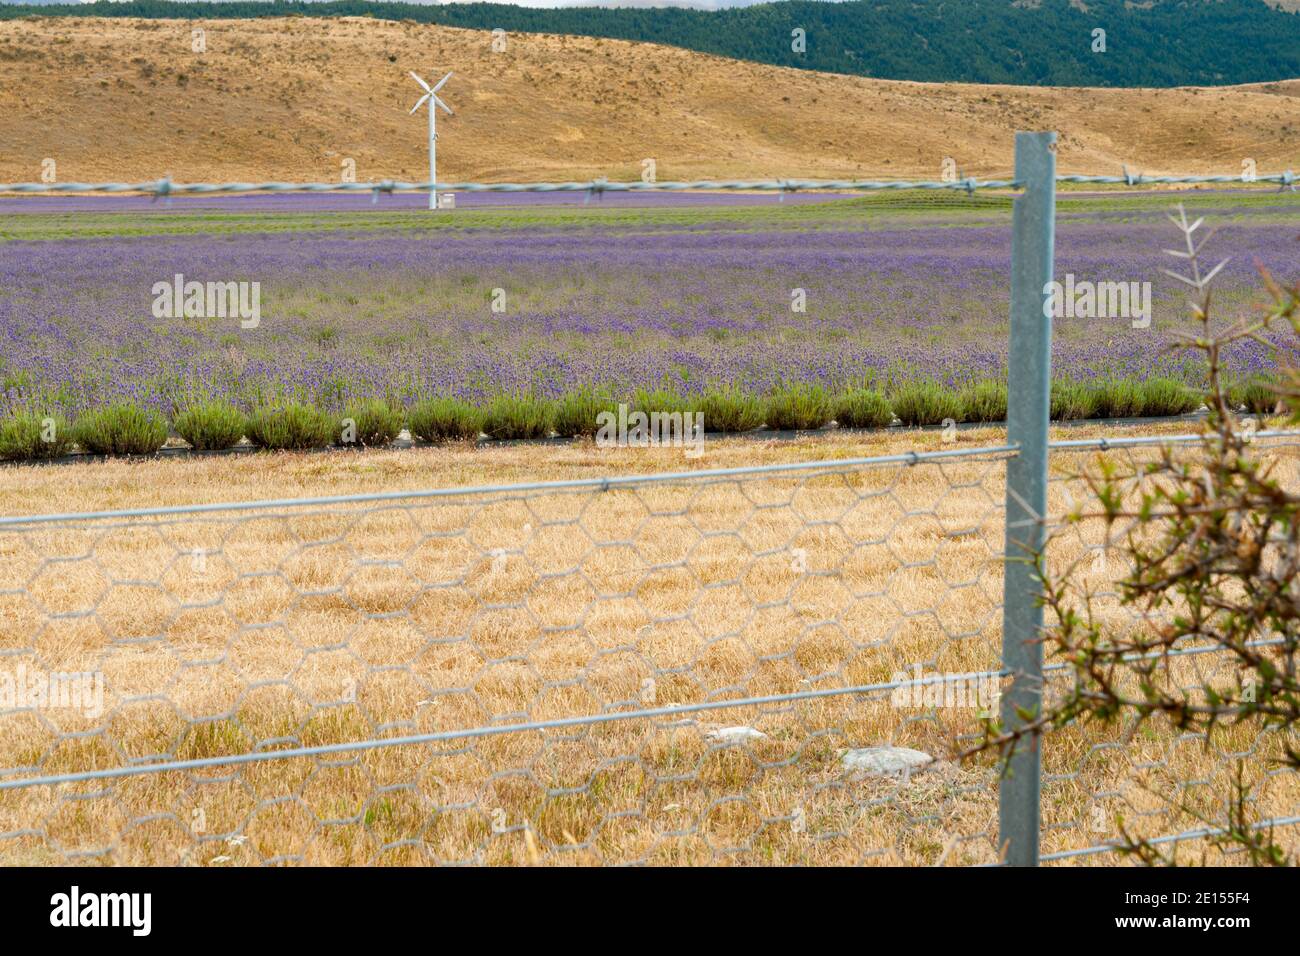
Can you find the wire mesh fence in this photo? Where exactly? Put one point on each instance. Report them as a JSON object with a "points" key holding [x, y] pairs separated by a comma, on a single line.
{"points": [[763, 665], [683, 668], [1150, 780]]}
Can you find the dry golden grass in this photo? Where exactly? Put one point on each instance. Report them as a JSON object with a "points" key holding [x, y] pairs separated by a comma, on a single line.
{"points": [[271, 628], [293, 98]]}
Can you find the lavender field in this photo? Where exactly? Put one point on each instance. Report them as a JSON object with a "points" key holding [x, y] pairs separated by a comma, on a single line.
{"points": [[400, 304]]}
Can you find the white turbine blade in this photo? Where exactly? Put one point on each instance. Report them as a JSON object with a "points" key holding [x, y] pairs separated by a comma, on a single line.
{"points": [[442, 104], [441, 82], [423, 85], [420, 102]]}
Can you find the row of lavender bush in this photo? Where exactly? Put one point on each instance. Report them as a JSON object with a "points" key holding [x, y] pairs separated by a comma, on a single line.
{"points": [[129, 429]]}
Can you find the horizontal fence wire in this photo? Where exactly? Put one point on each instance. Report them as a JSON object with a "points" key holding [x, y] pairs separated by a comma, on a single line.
{"points": [[1103, 443], [165, 187], [1175, 652], [1286, 179], [528, 659], [1198, 834], [576, 484], [583, 720], [162, 188]]}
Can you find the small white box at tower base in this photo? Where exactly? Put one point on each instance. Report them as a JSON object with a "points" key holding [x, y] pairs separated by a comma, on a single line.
{"points": [[446, 200]]}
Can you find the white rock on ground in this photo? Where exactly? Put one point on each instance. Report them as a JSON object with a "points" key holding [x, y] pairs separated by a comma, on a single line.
{"points": [[885, 761], [731, 735]]}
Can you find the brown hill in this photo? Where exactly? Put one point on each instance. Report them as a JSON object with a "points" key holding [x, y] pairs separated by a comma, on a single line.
{"points": [[294, 98]]}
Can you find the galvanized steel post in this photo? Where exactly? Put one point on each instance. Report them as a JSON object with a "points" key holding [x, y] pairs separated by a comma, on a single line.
{"points": [[1029, 377]]}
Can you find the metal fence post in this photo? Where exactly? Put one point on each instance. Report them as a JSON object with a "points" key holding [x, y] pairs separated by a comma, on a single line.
{"points": [[1028, 410]]}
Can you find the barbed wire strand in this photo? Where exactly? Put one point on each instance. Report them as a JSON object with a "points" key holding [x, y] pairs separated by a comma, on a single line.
{"points": [[164, 187]]}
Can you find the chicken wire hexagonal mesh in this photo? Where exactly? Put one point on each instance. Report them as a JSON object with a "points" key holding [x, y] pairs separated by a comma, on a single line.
{"points": [[665, 669]]}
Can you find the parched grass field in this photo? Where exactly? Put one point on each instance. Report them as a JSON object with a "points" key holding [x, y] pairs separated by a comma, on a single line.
{"points": [[279, 627]]}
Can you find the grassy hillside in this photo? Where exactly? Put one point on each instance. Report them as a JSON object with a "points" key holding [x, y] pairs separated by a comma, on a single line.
{"points": [[1159, 43], [294, 98]]}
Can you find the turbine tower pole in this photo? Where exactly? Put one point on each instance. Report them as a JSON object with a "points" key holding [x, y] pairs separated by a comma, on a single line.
{"points": [[433, 156]]}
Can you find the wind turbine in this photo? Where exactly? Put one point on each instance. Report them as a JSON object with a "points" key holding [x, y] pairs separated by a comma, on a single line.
{"points": [[431, 96]]}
